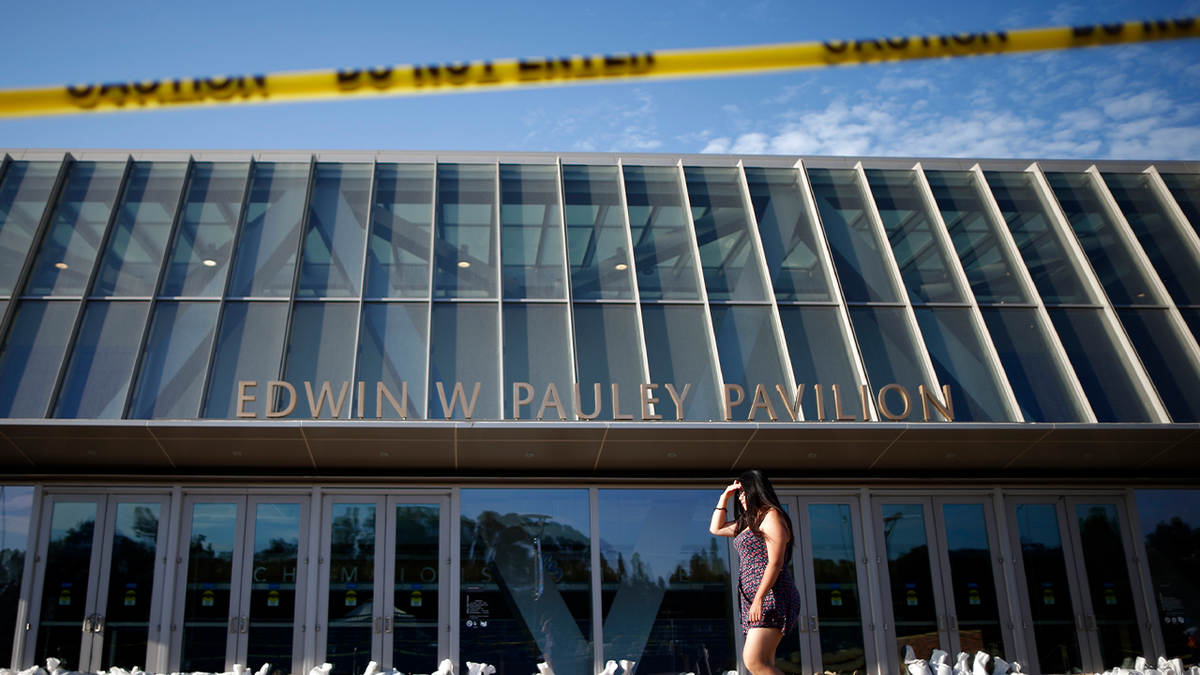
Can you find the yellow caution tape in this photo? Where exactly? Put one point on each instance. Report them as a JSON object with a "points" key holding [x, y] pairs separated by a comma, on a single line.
{"points": [[438, 78]]}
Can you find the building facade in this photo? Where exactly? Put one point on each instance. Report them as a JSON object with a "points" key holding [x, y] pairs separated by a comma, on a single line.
{"points": [[296, 408]]}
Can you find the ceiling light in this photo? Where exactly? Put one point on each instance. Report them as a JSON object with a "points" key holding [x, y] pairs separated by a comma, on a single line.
{"points": [[621, 266], [463, 263], [209, 262], [61, 265]]}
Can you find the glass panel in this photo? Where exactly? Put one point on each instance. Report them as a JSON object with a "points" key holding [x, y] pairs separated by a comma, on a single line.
{"points": [[320, 350], [1050, 604], [662, 240], [820, 352], [890, 353], [526, 580], [975, 599], [172, 372], [130, 585], [960, 360], [1055, 273], [466, 231], [391, 350], [266, 250], [536, 351], [911, 578], [789, 236], [676, 350], [68, 253], [204, 240], [23, 196], [976, 237], [15, 506], [1167, 360], [835, 576], [130, 264], [206, 607], [748, 347], [1104, 556], [65, 585], [1171, 254], [858, 253], [665, 582], [1185, 188], [1107, 379], [468, 356], [1104, 244], [250, 347], [351, 587], [608, 350], [1170, 520], [596, 237], [101, 363], [32, 355], [1192, 318], [273, 586], [1040, 383], [417, 588], [337, 224], [401, 231], [923, 261], [732, 270], [531, 245]]}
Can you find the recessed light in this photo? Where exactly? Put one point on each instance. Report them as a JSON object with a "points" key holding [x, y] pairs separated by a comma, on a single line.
{"points": [[91, 452], [209, 262], [237, 453], [383, 454], [811, 455], [671, 454], [529, 454], [951, 455], [620, 266], [463, 263], [61, 265], [1088, 455]]}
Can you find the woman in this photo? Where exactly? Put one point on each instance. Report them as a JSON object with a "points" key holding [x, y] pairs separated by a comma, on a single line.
{"points": [[770, 601]]}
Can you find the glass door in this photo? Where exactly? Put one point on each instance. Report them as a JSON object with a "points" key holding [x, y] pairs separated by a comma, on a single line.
{"points": [[383, 594], [831, 574], [242, 590], [98, 587], [944, 577]]}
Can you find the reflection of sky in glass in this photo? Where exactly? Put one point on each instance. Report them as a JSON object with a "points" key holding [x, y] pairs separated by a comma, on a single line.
{"points": [[625, 514], [15, 504], [216, 523], [831, 532], [126, 513], [69, 515], [965, 526], [568, 508], [904, 528], [276, 521], [1038, 524], [1160, 506]]}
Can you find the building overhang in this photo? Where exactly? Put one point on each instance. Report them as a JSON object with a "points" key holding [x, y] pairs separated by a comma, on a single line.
{"points": [[580, 449]]}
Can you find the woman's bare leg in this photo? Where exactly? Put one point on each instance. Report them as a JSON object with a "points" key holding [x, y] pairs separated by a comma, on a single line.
{"points": [[759, 651]]}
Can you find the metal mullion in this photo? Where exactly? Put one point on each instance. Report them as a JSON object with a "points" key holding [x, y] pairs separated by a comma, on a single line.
{"points": [[595, 578], [454, 579], [943, 234], [362, 288], [1179, 221], [1182, 332], [154, 300], [1008, 559], [835, 286], [237, 236], [287, 322], [877, 626], [1025, 279], [39, 236], [756, 242], [1149, 392], [87, 289], [562, 213], [433, 239], [1142, 561], [499, 296], [876, 222], [699, 271], [637, 292]]}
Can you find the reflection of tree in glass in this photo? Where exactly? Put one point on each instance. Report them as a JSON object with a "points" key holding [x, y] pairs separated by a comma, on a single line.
{"points": [[353, 536], [1173, 549], [482, 537], [705, 566]]}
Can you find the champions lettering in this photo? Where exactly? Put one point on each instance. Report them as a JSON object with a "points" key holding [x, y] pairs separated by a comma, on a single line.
{"points": [[831, 401]]}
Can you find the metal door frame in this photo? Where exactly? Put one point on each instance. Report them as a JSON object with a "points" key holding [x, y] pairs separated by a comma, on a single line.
{"points": [[444, 572]]}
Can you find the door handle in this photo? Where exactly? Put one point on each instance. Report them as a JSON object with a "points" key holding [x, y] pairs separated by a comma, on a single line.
{"points": [[941, 622], [813, 620], [87, 624], [387, 624], [233, 624], [378, 624], [98, 624], [1091, 621], [803, 624], [244, 622], [953, 622], [1079, 622]]}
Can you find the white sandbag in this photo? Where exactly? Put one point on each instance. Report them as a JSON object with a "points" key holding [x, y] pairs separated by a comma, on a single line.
{"points": [[627, 666], [265, 670], [1014, 668], [999, 666], [446, 667], [909, 654], [981, 661], [545, 669], [961, 667], [322, 669], [610, 668]]}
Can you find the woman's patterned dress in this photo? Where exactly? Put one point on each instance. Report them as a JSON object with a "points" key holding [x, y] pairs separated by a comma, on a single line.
{"points": [[781, 606]]}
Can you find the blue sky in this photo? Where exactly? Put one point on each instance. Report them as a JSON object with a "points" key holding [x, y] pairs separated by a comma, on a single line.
{"points": [[1133, 102]]}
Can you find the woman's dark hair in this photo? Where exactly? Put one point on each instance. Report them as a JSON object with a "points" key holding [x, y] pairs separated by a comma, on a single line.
{"points": [[759, 496]]}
